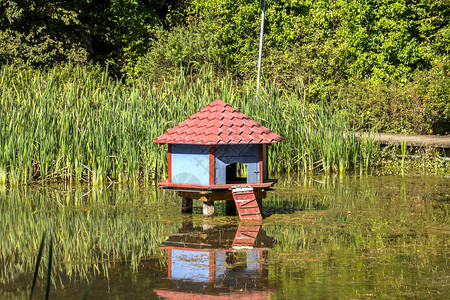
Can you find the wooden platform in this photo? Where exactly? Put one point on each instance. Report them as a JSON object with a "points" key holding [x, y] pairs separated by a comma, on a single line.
{"points": [[208, 189], [220, 239], [218, 195]]}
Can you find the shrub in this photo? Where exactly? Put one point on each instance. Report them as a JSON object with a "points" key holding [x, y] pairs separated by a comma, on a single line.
{"points": [[180, 48], [421, 105]]}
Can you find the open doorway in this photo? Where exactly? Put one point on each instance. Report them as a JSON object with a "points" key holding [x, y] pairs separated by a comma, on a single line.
{"points": [[236, 173]]}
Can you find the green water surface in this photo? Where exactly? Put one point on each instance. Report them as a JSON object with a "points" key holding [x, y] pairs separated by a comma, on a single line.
{"points": [[372, 236]]}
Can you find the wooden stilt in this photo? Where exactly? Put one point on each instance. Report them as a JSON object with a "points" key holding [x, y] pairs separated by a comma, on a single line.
{"points": [[260, 205], [230, 208], [208, 208], [208, 224], [186, 205]]}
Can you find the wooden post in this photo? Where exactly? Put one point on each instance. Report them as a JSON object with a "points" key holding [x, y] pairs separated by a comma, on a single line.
{"points": [[207, 224], [230, 208], [186, 205], [260, 205], [447, 153], [187, 222], [208, 208]]}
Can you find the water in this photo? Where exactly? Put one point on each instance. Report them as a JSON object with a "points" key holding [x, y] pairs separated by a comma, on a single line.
{"points": [[377, 236]]}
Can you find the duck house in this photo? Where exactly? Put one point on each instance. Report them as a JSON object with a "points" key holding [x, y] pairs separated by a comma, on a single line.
{"points": [[217, 154]]}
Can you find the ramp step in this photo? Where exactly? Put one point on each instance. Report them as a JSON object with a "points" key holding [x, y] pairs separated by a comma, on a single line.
{"points": [[250, 211], [251, 217], [247, 203]]}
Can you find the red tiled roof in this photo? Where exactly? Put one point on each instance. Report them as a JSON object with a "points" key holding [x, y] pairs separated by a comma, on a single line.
{"points": [[218, 123]]}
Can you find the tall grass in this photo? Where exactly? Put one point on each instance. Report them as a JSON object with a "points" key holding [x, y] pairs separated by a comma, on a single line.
{"points": [[78, 124]]}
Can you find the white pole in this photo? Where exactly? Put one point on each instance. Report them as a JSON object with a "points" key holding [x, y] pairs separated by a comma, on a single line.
{"points": [[260, 46]]}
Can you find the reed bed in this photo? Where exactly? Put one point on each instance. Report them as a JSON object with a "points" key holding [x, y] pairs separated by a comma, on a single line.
{"points": [[79, 125]]}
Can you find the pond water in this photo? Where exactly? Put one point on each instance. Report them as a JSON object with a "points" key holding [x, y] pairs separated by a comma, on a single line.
{"points": [[380, 236]]}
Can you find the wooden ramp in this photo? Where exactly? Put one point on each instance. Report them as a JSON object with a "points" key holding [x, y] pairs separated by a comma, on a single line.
{"points": [[246, 203], [245, 237]]}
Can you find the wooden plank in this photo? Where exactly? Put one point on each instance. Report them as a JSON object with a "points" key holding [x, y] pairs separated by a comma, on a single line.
{"points": [[410, 139], [261, 169], [244, 236], [169, 262], [211, 165], [249, 228], [245, 196], [175, 186], [251, 217], [169, 161], [212, 273], [249, 211], [252, 234], [248, 204], [243, 241]]}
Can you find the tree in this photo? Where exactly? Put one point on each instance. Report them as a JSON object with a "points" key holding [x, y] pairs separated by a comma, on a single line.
{"points": [[41, 33]]}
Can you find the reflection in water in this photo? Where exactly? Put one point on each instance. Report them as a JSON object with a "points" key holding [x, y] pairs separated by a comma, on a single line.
{"points": [[226, 261], [344, 237]]}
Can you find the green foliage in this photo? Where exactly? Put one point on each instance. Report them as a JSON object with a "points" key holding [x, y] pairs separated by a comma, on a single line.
{"points": [[41, 33], [179, 48], [421, 105], [344, 39], [122, 29], [235, 25], [390, 39]]}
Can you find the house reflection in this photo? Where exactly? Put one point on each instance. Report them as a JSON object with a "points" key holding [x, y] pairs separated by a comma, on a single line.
{"points": [[220, 263]]}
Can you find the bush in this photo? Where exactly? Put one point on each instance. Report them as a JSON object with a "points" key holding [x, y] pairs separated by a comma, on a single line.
{"points": [[420, 106], [179, 48]]}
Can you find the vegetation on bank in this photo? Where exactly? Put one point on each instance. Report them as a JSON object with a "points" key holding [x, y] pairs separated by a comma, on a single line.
{"points": [[385, 61], [86, 85], [79, 125]]}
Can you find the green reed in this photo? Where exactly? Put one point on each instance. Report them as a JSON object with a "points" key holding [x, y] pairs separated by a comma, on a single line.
{"points": [[77, 124]]}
